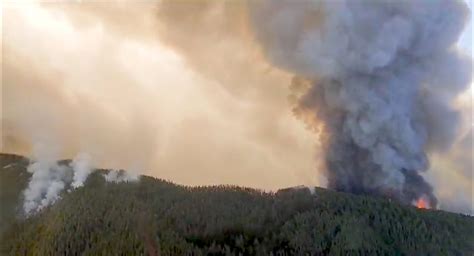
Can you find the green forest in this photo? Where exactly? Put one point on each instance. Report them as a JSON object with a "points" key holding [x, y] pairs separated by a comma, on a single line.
{"points": [[156, 217]]}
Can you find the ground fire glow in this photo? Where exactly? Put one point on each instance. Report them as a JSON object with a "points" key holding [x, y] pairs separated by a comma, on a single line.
{"points": [[421, 203]]}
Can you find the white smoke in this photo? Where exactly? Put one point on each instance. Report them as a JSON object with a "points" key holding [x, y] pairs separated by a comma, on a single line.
{"points": [[117, 176], [46, 183], [49, 179], [81, 166]]}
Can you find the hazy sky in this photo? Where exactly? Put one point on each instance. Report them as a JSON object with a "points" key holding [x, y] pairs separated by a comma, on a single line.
{"points": [[466, 40], [76, 82]]}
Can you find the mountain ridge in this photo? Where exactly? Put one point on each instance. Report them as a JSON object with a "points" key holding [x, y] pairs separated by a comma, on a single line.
{"points": [[157, 217]]}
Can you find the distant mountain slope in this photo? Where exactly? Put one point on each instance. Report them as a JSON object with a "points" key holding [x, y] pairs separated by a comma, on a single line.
{"points": [[13, 179], [155, 217]]}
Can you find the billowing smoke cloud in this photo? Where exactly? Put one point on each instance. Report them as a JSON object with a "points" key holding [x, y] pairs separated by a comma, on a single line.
{"points": [[383, 77]]}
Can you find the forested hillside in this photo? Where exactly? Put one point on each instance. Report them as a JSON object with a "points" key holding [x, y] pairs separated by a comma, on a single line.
{"points": [[155, 217]]}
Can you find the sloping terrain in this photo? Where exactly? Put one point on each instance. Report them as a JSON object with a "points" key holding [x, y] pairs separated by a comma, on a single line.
{"points": [[155, 217]]}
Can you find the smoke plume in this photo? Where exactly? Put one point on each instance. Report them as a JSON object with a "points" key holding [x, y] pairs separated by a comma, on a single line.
{"points": [[383, 77], [50, 178], [120, 176], [81, 166], [44, 187]]}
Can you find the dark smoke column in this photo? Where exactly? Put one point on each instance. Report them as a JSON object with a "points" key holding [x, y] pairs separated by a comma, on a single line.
{"points": [[380, 75]]}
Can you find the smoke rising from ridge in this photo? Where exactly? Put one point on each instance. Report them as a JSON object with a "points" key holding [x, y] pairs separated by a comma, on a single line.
{"points": [[49, 178], [197, 92], [383, 79], [44, 187], [82, 168], [120, 176]]}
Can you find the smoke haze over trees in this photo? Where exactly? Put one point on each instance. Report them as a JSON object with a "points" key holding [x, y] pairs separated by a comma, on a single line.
{"points": [[143, 86]]}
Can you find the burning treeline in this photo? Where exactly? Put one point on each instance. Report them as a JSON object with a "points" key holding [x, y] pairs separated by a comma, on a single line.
{"points": [[375, 80]]}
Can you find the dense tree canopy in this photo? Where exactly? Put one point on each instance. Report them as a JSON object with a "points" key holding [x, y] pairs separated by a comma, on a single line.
{"points": [[155, 217]]}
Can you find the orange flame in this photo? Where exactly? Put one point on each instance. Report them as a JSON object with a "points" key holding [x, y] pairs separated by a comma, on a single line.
{"points": [[422, 203]]}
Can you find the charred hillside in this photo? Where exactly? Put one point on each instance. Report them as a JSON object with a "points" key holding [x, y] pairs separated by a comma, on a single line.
{"points": [[155, 217]]}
